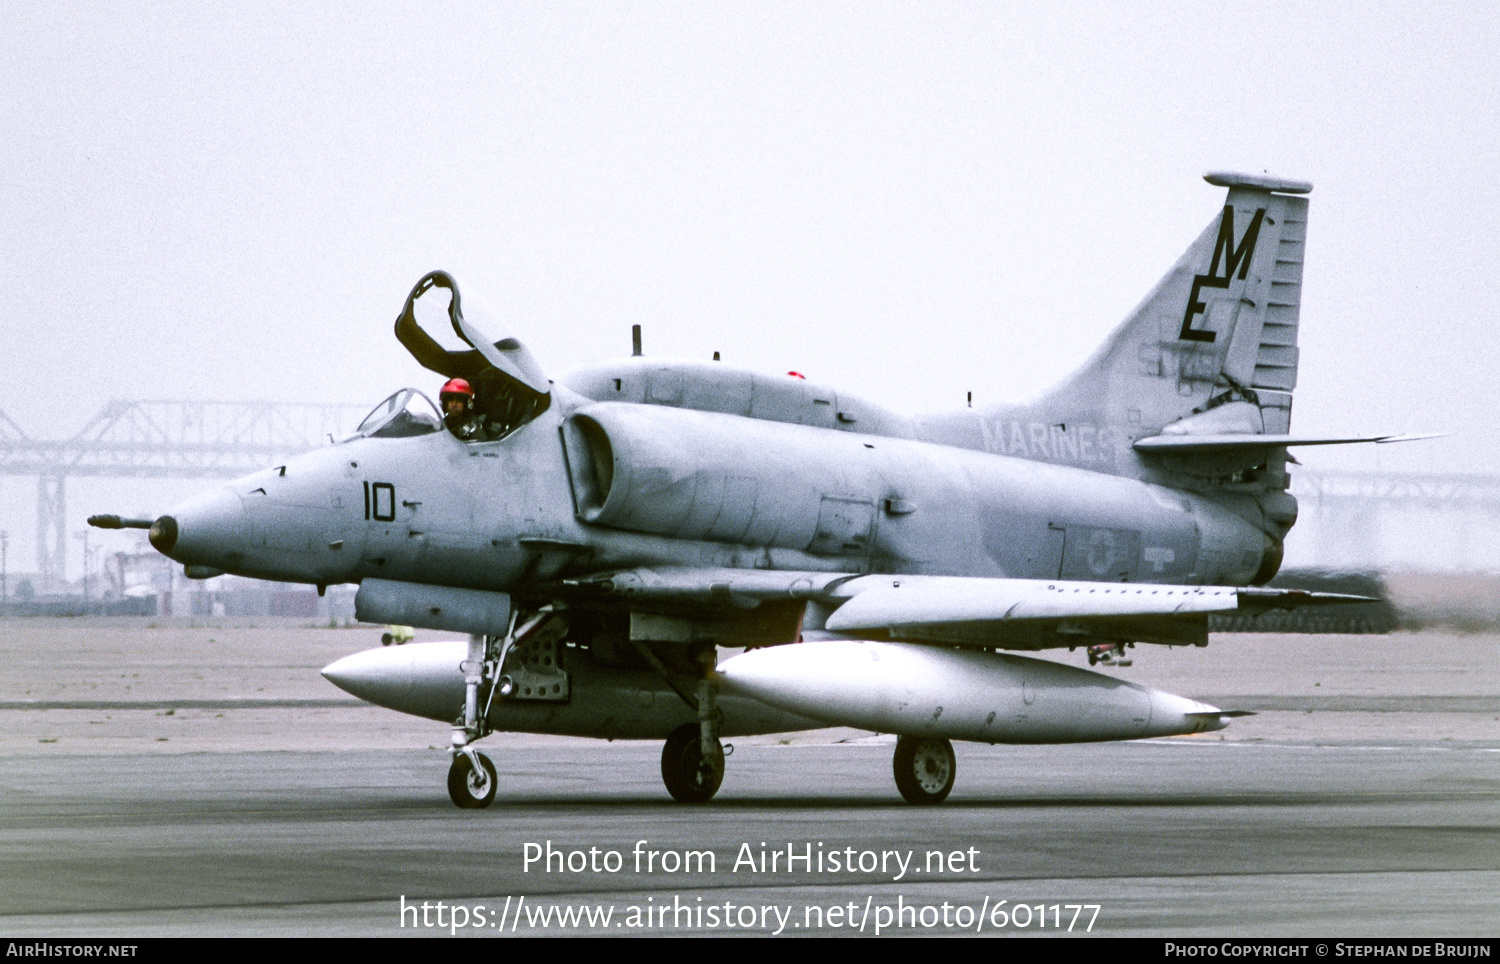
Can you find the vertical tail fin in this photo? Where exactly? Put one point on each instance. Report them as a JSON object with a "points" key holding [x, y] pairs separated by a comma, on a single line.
{"points": [[1220, 326], [1211, 351]]}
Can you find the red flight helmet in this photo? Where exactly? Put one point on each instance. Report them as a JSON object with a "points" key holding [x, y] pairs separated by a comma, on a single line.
{"points": [[457, 387]]}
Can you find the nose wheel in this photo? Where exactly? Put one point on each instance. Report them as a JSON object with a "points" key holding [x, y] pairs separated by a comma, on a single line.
{"points": [[925, 768], [690, 776], [471, 780]]}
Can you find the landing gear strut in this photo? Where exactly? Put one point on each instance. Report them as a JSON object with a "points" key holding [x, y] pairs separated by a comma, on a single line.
{"points": [[471, 776], [522, 664], [925, 768], [692, 762]]}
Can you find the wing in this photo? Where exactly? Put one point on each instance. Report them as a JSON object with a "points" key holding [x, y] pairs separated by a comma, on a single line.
{"points": [[1041, 614], [1002, 613]]}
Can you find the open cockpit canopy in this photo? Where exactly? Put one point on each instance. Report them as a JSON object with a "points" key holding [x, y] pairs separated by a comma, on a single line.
{"points": [[510, 388]]}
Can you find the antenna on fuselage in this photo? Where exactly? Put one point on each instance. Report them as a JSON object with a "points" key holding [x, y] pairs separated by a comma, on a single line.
{"points": [[635, 340]]}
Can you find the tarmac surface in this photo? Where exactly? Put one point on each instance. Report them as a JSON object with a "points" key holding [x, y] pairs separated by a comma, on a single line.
{"points": [[180, 779]]}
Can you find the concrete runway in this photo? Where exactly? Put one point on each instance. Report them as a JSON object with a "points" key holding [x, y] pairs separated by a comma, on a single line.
{"points": [[1363, 801]]}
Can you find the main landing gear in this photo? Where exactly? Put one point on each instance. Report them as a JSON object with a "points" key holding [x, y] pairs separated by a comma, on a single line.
{"points": [[690, 776], [692, 761], [925, 768]]}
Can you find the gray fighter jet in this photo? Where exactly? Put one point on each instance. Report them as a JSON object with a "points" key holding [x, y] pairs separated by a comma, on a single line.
{"points": [[603, 536]]}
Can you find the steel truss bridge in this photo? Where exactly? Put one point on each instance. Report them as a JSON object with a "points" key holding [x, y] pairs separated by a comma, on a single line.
{"points": [[1348, 513], [161, 439], [221, 440]]}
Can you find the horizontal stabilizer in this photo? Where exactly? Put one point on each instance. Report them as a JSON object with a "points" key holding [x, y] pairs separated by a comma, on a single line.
{"points": [[1190, 444], [1258, 182]]}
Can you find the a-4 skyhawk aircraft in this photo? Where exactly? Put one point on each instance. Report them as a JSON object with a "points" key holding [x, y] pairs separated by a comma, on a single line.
{"points": [[601, 537]]}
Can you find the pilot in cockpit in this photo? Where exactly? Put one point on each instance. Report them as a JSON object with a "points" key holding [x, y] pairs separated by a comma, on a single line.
{"points": [[457, 399]]}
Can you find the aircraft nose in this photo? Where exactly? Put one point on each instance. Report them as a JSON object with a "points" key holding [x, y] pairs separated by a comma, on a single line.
{"points": [[204, 530], [163, 535]]}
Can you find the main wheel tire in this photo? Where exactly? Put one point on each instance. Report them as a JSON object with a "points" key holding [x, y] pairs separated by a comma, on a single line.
{"points": [[689, 777], [925, 768], [471, 789]]}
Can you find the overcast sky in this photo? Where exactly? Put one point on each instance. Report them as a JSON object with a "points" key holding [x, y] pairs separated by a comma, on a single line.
{"points": [[909, 201]]}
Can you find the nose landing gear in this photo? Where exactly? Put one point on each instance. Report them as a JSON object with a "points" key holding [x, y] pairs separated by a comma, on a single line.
{"points": [[471, 780]]}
